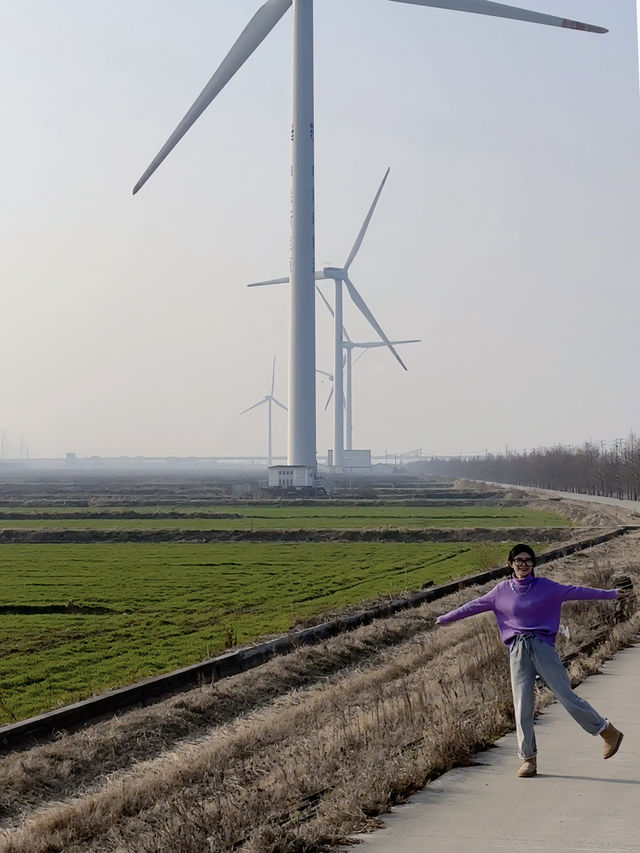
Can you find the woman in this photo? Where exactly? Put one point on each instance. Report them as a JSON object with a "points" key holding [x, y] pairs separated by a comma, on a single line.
{"points": [[527, 609]]}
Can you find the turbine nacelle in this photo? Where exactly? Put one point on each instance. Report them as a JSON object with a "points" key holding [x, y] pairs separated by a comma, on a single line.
{"points": [[336, 273]]}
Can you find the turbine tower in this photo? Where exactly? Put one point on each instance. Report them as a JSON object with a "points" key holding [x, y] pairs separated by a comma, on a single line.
{"points": [[340, 276], [302, 418], [349, 346], [269, 399]]}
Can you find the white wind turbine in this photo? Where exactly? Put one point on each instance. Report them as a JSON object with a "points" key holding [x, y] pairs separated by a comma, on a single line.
{"points": [[340, 276], [348, 347], [330, 377], [269, 399], [302, 425]]}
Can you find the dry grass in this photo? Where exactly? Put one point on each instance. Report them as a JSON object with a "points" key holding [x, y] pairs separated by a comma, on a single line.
{"points": [[302, 753], [324, 736], [75, 761]]}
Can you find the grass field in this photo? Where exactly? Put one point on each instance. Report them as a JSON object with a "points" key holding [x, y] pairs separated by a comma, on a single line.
{"points": [[296, 517], [145, 609], [137, 610]]}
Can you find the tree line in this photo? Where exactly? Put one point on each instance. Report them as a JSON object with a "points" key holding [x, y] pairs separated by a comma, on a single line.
{"points": [[591, 469]]}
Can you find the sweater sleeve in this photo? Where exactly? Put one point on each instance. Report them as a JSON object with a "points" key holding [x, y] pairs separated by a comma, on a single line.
{"points": [[586, 593], [477, 605]]}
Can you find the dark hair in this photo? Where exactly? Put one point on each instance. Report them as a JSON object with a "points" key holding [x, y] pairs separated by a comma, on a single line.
{"points": [[519, 549]]}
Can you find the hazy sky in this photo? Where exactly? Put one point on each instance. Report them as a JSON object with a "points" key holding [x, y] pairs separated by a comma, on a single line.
{"points": [[506, 237]]}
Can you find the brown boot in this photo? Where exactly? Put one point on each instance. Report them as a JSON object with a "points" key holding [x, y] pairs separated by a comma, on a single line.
{"points": [[529, 767], [612, 739]]}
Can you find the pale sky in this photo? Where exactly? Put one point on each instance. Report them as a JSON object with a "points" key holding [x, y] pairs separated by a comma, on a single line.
{"points": [[506, 237]]}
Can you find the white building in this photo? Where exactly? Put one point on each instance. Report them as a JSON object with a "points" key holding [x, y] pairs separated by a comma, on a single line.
{"points": [[291, 477]]}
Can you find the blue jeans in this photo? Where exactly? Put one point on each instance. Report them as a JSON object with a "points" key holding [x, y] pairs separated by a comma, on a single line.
{"points": [[530, 657]]}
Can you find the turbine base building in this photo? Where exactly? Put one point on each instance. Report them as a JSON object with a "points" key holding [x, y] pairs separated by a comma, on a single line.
{"points": [[292, 477]]}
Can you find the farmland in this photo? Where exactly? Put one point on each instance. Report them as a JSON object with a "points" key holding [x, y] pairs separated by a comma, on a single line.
{"points": [[79, 619], [263, 517]]}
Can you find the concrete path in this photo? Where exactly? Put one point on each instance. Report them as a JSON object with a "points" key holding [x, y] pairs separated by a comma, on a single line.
{"points": [[578, 802], [570, 496], [576, 496]]}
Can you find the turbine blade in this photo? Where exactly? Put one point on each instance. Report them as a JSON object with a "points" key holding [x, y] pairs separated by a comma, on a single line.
{"points": [[273, 375], [285, 280], [360, 303], [278, 403], [325, 373], [326, 405], [255, 406], [270, 281], [326, 301], [365, 224], [330, 309], [253, 34], [499, 10], [372, 344]]}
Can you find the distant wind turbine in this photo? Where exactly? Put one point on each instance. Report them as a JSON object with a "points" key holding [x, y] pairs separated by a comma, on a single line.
{"points": [[330, 377], [340, 276], [302, 414], [348, 346], [269, 399]]}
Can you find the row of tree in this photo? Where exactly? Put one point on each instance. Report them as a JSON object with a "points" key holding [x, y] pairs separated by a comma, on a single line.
{"points": [[592, 469]]}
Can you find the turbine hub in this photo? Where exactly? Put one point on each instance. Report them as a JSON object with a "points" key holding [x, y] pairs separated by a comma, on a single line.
{"points": [[335, 272]]}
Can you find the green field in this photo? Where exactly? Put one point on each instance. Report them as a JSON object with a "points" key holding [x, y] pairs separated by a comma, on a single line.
{"points": [[296, 517], [158, 607], [77, 619]]}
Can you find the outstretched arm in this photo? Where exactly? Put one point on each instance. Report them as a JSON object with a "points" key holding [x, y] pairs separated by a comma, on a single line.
{"points": [[587, 593], [477, 605]]}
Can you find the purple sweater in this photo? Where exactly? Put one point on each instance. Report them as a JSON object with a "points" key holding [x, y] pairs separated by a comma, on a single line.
{"points": [[530, 605]]}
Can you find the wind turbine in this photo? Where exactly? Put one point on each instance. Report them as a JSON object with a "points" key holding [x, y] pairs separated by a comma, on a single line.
{"points": [[348, 346], [302, 425], [269, 399], [340, 276], [331, 378]]}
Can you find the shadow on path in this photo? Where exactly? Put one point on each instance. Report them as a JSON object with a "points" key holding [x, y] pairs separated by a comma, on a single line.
{"points": [[587, 778]]}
